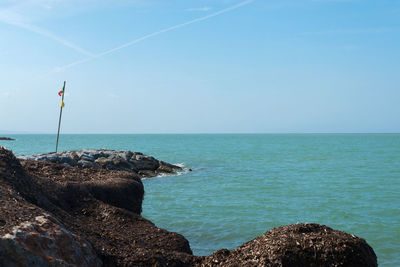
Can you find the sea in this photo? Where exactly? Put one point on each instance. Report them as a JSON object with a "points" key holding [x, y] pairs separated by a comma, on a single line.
{"points": [[242, 185]]}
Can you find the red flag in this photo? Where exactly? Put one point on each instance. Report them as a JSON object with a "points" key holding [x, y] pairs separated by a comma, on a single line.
{"points": [[60, 93]]}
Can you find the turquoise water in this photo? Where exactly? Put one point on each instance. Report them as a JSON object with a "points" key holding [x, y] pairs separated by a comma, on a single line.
{"points": [[244, 185]]}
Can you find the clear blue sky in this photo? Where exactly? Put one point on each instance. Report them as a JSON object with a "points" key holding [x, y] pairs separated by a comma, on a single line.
{"points": [[232, 66]]}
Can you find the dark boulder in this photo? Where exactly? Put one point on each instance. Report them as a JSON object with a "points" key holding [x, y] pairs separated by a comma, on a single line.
{"points": [[45, 242], [145, 163], [103, 206], [305, 244], [165, 167], [29, 235], [147, 174], [69, 187], [7, 138]]}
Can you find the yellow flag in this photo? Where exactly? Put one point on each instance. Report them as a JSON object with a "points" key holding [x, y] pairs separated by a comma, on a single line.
{"points": [[62, 104]]}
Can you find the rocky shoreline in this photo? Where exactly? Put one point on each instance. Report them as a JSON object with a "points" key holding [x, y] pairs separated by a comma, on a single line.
{"points": [[135, 162], [52, 214], [7, 138]]}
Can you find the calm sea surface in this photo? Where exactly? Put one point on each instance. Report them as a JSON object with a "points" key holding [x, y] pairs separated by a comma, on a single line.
{"points": [[243, 185]]}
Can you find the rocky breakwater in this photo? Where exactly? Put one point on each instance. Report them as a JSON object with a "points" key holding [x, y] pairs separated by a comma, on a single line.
{"points": [[56, 215], [135, 162], [7, 138]]}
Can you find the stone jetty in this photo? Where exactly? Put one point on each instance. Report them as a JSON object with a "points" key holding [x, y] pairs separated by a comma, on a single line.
{"points": [[136, 162], [7, 138]]}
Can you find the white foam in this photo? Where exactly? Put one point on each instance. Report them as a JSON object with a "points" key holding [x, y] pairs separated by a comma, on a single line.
{"points": [[181, 165], [184, 171]]}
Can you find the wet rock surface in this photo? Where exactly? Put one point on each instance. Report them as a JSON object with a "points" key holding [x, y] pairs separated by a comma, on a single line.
{"points": [[136, 162], [52, 214]]}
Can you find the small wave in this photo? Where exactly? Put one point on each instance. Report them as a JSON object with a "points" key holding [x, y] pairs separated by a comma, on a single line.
{"points": [[163, 175], [181, 165], [183, 171], [187, 169]]}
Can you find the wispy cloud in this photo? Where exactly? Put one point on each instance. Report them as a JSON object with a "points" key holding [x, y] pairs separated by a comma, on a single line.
{"points": [[45, 33], [141, 39], [12, 17], [204, 9], [348, 31]]}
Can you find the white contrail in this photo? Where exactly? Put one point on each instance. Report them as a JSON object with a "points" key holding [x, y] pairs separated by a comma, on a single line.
{"points": [[58, 69], [50, 35], [10, 17]]}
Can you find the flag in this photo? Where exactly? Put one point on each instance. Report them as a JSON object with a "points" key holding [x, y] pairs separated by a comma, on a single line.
{"points": [[60, 93]]}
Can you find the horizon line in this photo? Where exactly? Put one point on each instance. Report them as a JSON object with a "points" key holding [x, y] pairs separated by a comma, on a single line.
{"points": [[198, 133]]}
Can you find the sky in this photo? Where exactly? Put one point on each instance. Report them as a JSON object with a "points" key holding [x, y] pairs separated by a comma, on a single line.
{"points": [[200, 66]]}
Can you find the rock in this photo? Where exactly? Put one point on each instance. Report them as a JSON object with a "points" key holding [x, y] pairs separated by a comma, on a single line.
{"points": [[121, 164], [52, 158], [147, 173], [28, 235], [115, 164], [126, 155], [97, 206], [104, 162], [125, 191], [99, 154], [45, 242], [7, 138], [65, 159], [104, 206], [303, 244], [109, 159], [70, 187], [88, 157], [84, 164], [74, 156], [145, 163], [138, 156], [165, 167]]}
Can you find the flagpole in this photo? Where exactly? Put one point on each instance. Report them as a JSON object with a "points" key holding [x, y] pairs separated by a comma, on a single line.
{"points": [[59, 120]]}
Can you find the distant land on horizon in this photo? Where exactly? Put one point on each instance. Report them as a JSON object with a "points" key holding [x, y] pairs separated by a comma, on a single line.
{"points": [[6, 132]]}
